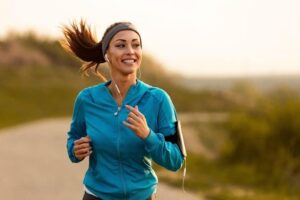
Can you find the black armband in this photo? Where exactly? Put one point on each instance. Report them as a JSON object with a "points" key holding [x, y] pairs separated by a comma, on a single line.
{"points": [[177, 138]]}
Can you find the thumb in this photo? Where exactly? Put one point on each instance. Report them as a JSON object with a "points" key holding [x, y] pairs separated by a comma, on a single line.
{"points": [[88, 137]]}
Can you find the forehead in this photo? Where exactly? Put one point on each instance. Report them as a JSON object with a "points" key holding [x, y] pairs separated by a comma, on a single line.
{"points": [[127, 35]]}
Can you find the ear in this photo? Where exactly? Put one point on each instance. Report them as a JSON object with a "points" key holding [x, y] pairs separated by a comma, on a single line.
{"points": [[106, 58]]}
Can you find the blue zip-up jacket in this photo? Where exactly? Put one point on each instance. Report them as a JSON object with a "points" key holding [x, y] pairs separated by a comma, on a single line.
{"points": [[120, 165]]}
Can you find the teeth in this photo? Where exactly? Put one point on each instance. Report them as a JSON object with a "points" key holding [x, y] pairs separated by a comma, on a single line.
{"points": [[128, 61]]}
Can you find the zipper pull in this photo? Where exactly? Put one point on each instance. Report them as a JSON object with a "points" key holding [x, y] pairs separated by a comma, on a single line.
{"points": [[117, 112]]}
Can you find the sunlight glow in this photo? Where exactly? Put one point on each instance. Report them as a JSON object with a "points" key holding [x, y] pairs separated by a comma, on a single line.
{"points": [[192, 37]]}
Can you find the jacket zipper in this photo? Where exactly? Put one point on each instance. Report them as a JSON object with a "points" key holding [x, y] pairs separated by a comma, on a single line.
{"points": [[116, 114], [118, 149]]}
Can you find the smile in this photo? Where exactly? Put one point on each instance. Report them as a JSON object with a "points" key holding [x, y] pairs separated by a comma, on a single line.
{"points": [[129, 61]]}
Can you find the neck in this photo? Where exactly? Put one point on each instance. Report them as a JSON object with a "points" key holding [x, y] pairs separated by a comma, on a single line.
{"points": [[121, 83]]}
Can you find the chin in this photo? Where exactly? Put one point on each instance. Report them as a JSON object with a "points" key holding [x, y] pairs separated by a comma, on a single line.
{"points": [[129, 69], [126, 73]]}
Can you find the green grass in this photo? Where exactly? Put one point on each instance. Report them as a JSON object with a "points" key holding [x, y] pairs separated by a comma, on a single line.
{"points": [[34, 92]]}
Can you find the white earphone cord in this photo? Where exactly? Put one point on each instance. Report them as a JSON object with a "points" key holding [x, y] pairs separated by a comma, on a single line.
{"points": [[116, 86], [183, 175]]}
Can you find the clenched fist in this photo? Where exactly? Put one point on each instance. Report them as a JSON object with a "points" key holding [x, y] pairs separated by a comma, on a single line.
{"points": [[82, 148]]}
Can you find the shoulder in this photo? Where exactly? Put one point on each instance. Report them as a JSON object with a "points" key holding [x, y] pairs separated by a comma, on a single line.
{"points": [[159, 93], [85, 93]]}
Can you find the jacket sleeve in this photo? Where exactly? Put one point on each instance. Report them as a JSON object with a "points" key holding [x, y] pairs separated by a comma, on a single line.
{"points": [[77, 127], [162, 152]]}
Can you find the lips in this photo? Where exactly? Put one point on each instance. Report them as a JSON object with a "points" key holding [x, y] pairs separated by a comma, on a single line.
{"points": [[129, 61]]}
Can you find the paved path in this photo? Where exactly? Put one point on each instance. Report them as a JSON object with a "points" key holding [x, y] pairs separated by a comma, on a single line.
{"points": [[34, 165]]}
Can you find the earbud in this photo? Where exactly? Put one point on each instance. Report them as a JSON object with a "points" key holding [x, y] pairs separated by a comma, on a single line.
{"points": [[106, 58]]}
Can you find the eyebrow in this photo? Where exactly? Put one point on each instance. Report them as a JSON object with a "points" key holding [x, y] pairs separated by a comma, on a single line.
{"points": [[133, 40]]}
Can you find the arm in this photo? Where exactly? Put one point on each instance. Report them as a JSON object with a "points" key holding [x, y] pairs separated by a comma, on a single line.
{"points": [[162, 152], [77, 128]]}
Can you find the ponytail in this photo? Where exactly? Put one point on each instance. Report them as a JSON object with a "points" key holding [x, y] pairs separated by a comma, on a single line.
{"points": [[81, 42]]}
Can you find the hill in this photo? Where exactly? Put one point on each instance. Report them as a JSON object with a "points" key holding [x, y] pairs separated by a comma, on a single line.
{"points": [[264, 83]]}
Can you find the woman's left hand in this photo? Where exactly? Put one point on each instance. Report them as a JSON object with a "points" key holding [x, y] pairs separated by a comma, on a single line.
{"points": [[137, 122]]}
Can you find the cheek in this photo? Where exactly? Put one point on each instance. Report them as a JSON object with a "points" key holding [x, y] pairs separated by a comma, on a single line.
{"points": [[140, 61], [116, 58], [140, 54]]}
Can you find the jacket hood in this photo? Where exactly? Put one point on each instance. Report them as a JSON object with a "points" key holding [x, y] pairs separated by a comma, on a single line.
{"points": [[101, 95]]}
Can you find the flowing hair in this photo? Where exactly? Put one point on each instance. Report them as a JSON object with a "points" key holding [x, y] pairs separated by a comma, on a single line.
{"points": [[80, 41]]}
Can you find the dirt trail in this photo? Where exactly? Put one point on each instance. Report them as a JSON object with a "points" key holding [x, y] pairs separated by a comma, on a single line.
{"points": [[34, 165]]}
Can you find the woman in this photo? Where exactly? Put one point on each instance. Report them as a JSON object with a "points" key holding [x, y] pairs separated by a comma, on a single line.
{"points": [[120, 124]]}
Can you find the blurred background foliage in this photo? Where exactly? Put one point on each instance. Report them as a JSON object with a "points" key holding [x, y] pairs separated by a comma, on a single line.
{"points": [[255, 147]]}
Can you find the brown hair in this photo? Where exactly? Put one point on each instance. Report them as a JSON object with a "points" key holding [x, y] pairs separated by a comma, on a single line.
{"points": [[81, 42]]}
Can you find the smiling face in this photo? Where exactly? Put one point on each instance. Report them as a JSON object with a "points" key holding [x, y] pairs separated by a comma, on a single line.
{"points": [[125, 53]]}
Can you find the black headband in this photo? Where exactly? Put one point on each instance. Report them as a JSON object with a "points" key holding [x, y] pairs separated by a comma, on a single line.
{"points": [[111, 33]]}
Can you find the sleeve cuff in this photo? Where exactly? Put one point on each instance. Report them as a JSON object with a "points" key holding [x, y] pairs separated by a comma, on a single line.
{"points": [[151, 141]]}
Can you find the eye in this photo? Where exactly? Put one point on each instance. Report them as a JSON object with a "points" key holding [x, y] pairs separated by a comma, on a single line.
{"points": [[136, 45], [120, 45]]}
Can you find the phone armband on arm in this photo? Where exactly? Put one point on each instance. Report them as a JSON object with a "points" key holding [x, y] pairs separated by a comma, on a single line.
{"points": [[177, 138]]}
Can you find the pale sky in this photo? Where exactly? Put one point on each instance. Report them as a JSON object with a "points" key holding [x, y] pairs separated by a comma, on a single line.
{"points": [[190, 37]]}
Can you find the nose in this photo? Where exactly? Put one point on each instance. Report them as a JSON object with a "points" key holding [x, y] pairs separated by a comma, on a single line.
{"points": [[130, 50]]}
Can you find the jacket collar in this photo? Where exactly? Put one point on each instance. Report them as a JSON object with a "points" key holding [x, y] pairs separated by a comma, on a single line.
{"points": [[101, 94]]}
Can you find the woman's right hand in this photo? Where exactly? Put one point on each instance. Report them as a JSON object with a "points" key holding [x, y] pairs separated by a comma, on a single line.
{"points": [[82, 148]]}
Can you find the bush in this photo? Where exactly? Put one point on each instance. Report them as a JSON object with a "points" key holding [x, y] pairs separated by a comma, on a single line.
{"points": [[267, 136]]}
